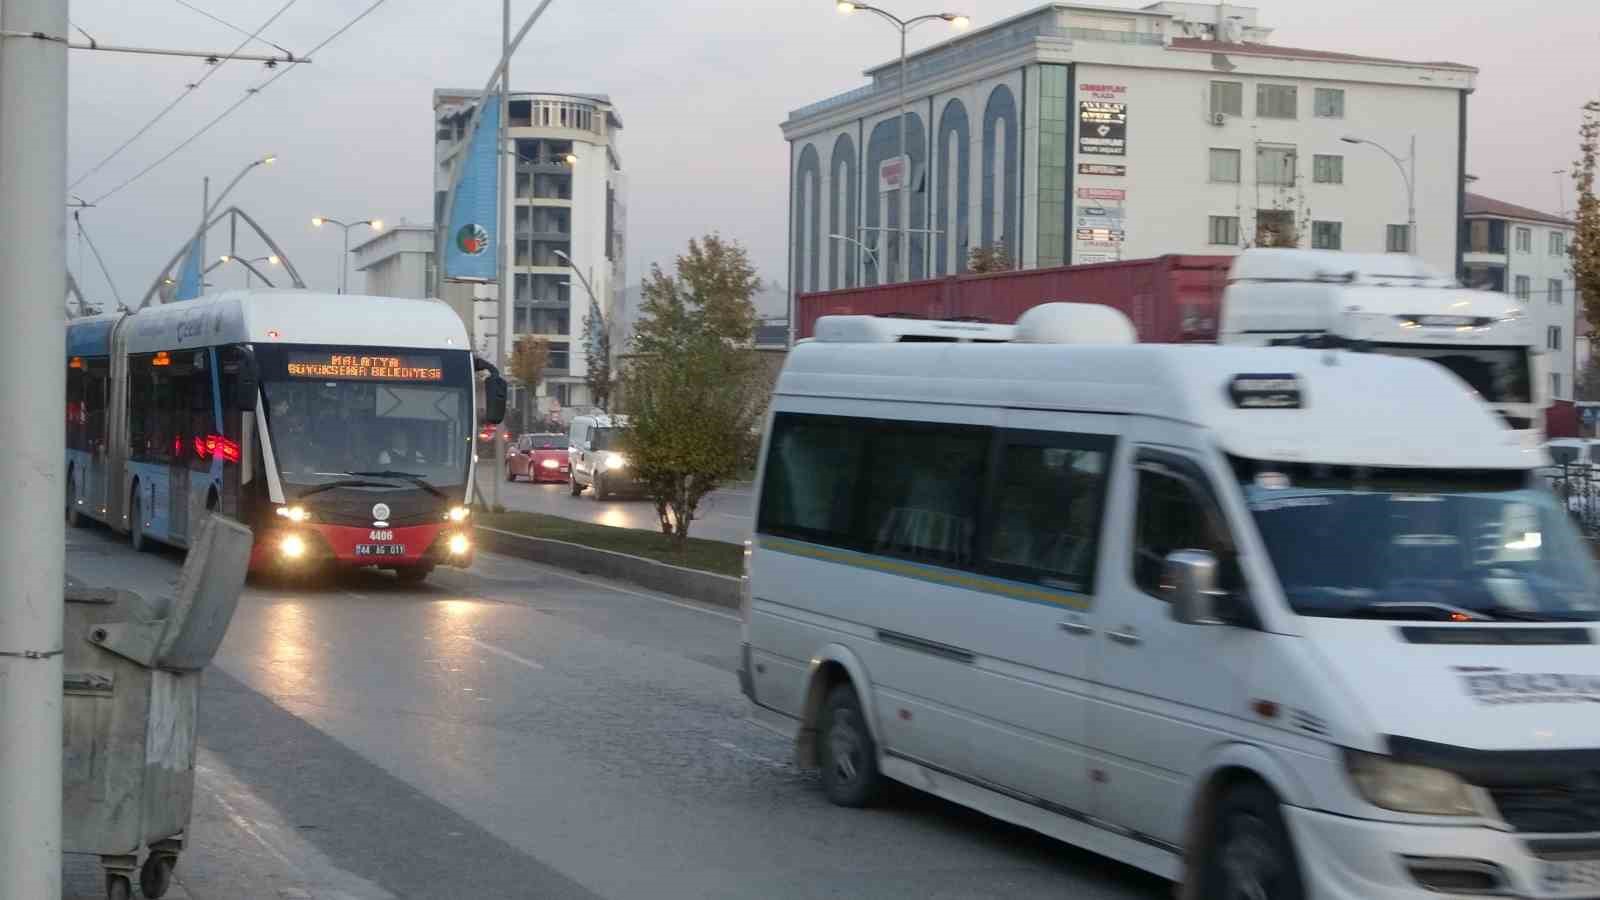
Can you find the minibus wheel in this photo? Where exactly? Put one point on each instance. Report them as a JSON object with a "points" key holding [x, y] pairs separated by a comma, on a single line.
{"points": [[849, 756], [1251, 857]]}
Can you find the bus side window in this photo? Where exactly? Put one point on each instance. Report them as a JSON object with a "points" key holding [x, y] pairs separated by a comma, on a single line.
{"points": [[202, 418], [96, 387], [77, 409], [143, 431]]}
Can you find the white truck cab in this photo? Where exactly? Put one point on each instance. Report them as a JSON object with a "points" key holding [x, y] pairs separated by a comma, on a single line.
{"points": [[1270, 622], [1396, 305]]}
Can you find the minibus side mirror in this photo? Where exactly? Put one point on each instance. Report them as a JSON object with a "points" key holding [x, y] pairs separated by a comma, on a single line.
{"points": [[494, 400], [1190, 582]]}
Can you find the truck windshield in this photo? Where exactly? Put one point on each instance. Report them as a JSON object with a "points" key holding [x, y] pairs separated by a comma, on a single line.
{"points": [[1498, 374], [1345, 542]]}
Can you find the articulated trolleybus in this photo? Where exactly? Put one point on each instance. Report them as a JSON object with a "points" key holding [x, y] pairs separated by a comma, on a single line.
{"points": [[338, 427]]}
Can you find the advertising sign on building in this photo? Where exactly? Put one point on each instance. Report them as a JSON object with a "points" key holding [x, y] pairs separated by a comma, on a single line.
{"points": [[891, 174], [1100, 217], [1094, 193], [1100, 235], [1087, 258], [1101, 169], [1102, 128]]}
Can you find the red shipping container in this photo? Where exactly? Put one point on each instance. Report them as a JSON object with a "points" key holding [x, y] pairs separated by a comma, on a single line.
{"points": [[1170, 299]]}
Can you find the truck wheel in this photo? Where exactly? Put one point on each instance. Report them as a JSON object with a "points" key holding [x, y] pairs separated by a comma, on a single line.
{"points": [[849, 756], [155, 876], [599, 486], [1252, 857]]}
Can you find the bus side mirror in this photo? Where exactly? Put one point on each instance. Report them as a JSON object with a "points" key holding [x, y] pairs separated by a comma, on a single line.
{"points": [[494, 400], [246, 389]]}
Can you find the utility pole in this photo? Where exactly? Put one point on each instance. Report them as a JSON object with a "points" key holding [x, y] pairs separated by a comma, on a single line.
{"points": [[205, 216], [501, 354], [33, 392]]}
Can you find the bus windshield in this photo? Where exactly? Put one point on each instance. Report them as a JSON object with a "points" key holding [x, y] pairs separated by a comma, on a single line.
{"points": [[1498, 374], [368, 412]]}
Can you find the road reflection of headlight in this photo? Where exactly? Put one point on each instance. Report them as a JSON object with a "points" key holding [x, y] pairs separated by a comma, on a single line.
{"points": [[293, 546], [459, 513], [615, 461], [459, 545], [549, 464]]}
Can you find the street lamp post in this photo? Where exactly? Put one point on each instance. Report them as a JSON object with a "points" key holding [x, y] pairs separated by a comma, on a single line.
{"points": [[344, 260], [866, 251], [847, 7], [1410, 179], [249, 264], [594, 302]]}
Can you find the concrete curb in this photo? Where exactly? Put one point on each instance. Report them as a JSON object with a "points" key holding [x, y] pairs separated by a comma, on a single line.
{"points": [[707, 587]]}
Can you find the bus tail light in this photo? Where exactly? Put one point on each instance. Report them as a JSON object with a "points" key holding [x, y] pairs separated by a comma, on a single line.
{"points": [[216, 445]]}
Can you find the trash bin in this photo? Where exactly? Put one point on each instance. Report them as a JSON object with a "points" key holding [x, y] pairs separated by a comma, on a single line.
{"points": [[132, 682]]}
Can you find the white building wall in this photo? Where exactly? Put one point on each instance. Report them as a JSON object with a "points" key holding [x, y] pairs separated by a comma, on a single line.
{"points": [[1547, 310]]}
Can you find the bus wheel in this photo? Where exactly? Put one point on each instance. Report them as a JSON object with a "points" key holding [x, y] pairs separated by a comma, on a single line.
{"points": [[141, 544], [413, 574], [74, 518]]}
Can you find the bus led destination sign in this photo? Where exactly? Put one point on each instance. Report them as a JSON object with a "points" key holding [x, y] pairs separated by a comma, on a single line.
{"points": [[364, 367]]}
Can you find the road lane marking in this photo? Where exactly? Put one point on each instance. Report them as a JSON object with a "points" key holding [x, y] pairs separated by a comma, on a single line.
{"points": [[504, 653]]}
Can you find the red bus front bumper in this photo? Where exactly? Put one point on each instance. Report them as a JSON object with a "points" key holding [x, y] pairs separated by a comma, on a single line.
{"points": [[315, 544]]}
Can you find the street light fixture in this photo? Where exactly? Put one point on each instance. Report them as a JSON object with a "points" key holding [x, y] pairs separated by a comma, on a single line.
{"points": [[958, 22], [249, 264], [1410, 179], [344, 261]]}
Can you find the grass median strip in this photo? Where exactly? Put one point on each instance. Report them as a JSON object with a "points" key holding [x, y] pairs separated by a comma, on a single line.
{"points": [[708, 556]]}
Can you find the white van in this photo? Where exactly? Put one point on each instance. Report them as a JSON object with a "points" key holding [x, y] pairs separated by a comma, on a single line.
{"points": [[595, 459], [1271, 622]]}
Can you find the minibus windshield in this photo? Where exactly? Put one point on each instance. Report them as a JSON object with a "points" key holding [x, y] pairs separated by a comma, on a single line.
{"points": [[1410, 543]]}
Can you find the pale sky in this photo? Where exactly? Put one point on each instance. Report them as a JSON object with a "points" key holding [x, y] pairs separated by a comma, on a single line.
{"points": [[701, 86]]}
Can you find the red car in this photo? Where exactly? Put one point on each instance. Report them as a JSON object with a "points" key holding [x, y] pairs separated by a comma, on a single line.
{"points": [[538, 457]]}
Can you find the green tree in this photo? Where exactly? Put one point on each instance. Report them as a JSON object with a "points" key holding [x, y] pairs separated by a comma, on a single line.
{"points": [[1585, 246], [990, 258], [530, 356], [693, 389], [597, 349]]}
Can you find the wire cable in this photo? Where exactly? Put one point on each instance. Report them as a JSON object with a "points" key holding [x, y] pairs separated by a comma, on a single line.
{"points": [[249, 93], [226, 24], [188, 89]]}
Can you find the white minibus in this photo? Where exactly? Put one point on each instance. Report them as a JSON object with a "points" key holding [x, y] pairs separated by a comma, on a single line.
{"points": [[1270, 622]]}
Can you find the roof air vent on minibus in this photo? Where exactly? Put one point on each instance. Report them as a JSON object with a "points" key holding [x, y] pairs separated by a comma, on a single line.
{"points": [[894, 330], [1074, 323]]}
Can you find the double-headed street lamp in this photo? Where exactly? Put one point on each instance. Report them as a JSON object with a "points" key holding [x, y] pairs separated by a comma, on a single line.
{"points": [[1410, 179], [846, 7], [249, 264], [344, 261]]}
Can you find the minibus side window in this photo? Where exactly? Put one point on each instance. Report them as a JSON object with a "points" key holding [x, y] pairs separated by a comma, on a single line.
{"points": [[1173, 515], [921, 492], [1045, 514]]}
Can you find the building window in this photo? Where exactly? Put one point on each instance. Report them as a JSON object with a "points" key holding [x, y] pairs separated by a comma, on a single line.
{"points": [[1277, 101], [1555, 385], [1224, 165], [1556, 288], [1328, 103], [1327, 235], [1399, 239], [1327, 169], [1524, 287], [1558, 243], [1275, 165], [1225, 231], [1275, 228], [1227, 97], [1524, 240], [1486, 236], [1552, 337]]}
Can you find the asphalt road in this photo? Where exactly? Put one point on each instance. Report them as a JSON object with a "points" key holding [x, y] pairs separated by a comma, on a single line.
{"points": [[723, 516], [519, 732]]}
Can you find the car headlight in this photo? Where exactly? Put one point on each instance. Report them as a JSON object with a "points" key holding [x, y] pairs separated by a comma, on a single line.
{"points": [[549, 464], [294, 513], [458, 513], [459, 545], [293, 546], [615, 461], [1403, 787]]}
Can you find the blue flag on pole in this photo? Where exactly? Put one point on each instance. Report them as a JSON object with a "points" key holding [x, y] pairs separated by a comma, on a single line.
{"points": [[190, 277], [471, 245]]}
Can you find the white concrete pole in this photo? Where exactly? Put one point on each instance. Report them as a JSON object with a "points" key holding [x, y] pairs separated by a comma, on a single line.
{"points": [[33, 393], [501, 207]]}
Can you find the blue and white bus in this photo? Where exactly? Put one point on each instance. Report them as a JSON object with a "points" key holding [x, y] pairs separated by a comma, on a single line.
{"points": [[340, 428]]}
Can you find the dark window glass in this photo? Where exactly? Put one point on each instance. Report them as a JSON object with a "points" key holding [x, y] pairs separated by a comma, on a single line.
{"points": [[813, 466], [1172, 516], [921, 492], [1046, 512]]}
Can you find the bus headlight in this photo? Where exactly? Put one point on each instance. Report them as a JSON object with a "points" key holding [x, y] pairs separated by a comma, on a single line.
{"points": [[615, 461], [293, 546], [458, 513], [294, 513], [459, 545]]}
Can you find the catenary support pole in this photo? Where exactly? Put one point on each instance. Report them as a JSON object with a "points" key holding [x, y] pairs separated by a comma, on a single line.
{"points": [[503, 293], [33, 181]]}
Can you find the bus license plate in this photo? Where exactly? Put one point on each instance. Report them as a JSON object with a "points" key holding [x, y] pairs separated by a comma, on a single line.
{"points": [[380, 549], [1569, 878]]}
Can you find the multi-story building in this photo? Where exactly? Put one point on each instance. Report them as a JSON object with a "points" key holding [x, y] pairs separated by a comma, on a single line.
{"points": [[398, 262], [1523, 252], [1076, 133], [564, 200]]}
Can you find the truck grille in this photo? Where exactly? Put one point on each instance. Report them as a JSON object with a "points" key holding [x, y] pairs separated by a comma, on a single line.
{"points": [[1553, 807]]}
